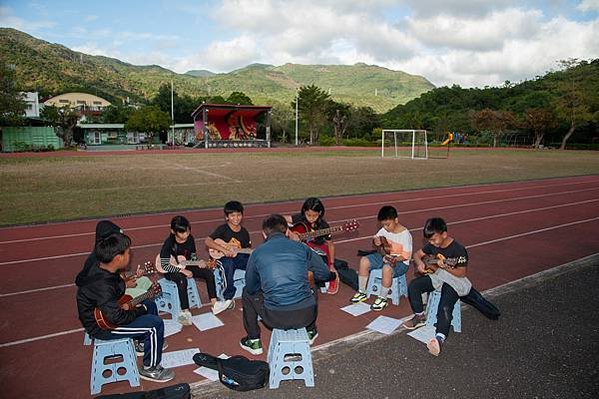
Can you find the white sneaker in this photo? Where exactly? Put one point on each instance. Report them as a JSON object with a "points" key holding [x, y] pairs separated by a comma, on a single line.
{"points": [[221, 306], [185, 318]]}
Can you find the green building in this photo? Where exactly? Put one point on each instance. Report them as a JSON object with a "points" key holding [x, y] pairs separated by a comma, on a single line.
{"points": [[30, 138]]}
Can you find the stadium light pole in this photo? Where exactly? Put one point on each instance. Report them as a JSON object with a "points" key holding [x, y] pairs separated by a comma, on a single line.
{"points": [[297, 118]]}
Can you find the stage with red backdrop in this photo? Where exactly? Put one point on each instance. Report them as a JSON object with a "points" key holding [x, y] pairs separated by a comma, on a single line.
{"points": [[227, 125]]}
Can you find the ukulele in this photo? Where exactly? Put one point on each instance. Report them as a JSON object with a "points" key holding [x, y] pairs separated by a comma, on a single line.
{"points": [[233, 245], [385, 250], [175, 265], [126, 302], [148, 269], [432, 260], [307, 235]]}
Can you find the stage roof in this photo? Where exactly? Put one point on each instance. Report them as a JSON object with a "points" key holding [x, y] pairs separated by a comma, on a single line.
{"points": [[225, 109]]}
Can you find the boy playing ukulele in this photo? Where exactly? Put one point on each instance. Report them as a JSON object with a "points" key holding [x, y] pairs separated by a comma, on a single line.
{"points": [[228, 239], [395, 249], [445, 273], [101, 290]]}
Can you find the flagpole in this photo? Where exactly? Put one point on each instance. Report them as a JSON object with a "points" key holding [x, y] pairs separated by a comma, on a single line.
{"points": [[173, 110]]}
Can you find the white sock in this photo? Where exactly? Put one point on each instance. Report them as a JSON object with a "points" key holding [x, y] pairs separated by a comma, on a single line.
{"points": [[385, 291], [362, 282]]}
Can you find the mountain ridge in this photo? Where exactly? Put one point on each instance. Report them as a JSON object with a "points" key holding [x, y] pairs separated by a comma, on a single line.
{"points": [[52, 69]]}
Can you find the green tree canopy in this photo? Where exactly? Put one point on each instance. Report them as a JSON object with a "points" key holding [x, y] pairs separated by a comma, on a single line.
{"points": [[150, 120], [12, 105]]}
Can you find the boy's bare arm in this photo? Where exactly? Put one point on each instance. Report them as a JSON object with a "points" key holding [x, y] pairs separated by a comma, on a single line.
{"points": [[417, 256]]}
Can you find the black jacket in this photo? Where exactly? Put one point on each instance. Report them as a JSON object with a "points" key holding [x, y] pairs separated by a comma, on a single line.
{"points": [[102, 289]]}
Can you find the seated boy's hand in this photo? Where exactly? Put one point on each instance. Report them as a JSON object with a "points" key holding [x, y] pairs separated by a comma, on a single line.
{"points": [[421, 267], [131, 282], [186, 273]]}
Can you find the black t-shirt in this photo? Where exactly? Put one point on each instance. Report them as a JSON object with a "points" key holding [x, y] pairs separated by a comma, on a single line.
{"points": [[454, 252], [318, 225], [241, 237], [172, 248]]}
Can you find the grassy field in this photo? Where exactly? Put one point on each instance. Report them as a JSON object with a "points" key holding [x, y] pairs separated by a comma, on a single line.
{"points": [[62, 188]]}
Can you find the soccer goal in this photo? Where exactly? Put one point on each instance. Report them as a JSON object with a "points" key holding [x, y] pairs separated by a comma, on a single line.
{"points": [[404, 143]]}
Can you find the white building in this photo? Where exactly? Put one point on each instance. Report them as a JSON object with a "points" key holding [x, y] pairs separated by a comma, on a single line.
{"points": [[33, 104]]}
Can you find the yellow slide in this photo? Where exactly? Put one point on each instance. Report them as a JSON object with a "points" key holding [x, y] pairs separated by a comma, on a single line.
{"points": [[449, 139]]}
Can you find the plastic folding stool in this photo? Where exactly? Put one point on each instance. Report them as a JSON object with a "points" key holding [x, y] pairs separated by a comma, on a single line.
{"points": [[432, 305], [399, 286], [289, 357], [123, 370]]}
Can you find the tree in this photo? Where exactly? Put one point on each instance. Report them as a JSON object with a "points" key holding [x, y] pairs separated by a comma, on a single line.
{"points": [[313, 109], [571, 104], [116, 114], [64, 120], [539, 120], [12, 106], [239, 98], [495, 122], [282, 119], [150, 120]]}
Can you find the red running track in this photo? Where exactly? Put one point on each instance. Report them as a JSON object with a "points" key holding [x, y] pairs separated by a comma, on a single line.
{"points": [[511, 230]]}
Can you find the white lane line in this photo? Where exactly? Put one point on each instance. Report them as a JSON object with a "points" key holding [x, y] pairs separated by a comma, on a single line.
{"points": [[23, 341], [421, 210], [54, 287], [220, 219], [27, 340], [532, 232], [205, 172]]}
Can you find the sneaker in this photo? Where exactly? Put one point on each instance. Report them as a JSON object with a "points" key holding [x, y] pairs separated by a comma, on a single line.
{"points": [[379, 304], [359, 297], [415, 322], [139, 347], [254, 346], [158, 374], [185, 318], [312, 335], [334, 285], [221, 306], [434, 346]]}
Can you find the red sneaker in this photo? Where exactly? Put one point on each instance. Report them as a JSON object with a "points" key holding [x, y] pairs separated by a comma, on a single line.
{"points": [[334, 286]]}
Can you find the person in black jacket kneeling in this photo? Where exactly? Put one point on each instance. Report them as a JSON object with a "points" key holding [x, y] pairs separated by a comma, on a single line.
{"points": [[102, 288]]}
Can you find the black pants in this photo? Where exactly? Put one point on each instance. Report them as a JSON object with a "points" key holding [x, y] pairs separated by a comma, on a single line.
{"points": [[253, 306], [448, 299], [181, 280]]}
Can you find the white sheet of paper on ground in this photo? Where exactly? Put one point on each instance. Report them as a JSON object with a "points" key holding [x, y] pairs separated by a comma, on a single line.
{"points": [[423, 334], [171, 327], [206, 321], [384, 324], [357, 309], [178, 358], [208, 372]]}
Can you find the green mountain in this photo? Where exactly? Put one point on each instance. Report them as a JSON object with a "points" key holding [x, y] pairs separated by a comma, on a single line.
{"points": [[199, 73], [52, 69]]}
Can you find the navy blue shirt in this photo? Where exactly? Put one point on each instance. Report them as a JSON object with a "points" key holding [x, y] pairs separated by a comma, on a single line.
{"points": [[279, 268]]}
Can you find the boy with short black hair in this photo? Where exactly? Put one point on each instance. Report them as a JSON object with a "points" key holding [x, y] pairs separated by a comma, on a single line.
{"points": [[102, 288], [394, 262], [442, 264], [235, 237]]}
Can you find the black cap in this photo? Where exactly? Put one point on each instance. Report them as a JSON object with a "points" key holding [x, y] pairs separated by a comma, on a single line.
{"points": [[105, 228]]}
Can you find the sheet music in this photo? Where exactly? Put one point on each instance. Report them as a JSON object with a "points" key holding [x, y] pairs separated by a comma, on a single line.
{"points": [[171, 327], [208, 372], [423, 334], [178, 358], [384, 324], [357, 309], [206, 321]]}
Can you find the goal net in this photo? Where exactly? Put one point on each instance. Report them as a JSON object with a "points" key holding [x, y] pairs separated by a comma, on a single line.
{"points": [[404, 143]]}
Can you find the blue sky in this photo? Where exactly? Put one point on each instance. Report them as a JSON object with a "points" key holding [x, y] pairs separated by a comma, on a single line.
{"points": [[465, 42]]}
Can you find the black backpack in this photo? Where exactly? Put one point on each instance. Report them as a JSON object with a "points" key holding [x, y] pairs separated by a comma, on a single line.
{"points": [[178, 391], [237, 372]]}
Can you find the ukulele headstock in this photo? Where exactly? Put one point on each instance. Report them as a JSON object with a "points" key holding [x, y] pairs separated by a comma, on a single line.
{"points": [[351, 225]]}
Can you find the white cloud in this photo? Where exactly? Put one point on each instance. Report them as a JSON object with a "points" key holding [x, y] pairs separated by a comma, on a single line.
{"points": [[588, 5], [9, 21], [227, 55]]}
